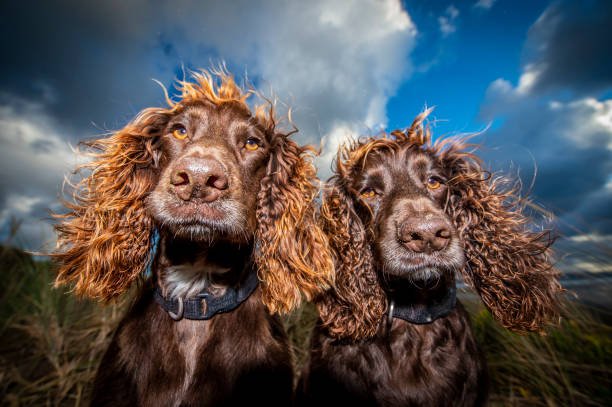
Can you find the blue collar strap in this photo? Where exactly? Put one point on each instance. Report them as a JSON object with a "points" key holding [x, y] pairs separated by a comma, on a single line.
{"points": [[154, 245], [205, 305]]}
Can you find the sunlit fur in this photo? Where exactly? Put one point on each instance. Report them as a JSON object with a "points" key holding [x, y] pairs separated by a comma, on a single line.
{"points": [[507, 262], [104, 239]]}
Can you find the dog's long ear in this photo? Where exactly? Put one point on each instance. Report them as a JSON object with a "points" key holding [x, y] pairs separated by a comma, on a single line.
{"points": [[508, 262], [291, 250], [354, 308], [104, 238]]}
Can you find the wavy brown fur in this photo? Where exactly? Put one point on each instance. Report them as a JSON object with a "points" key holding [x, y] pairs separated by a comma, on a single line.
{"points": [[356, 305], [508, 264], [103, 241], [104, 238], [293, 250]]}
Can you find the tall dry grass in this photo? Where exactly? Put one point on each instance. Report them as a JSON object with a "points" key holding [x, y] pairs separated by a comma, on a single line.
{"points": [[570, 366], [51, 343]]}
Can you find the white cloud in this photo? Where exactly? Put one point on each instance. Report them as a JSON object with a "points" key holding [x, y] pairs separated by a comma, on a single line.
{"points": [[568, 141], [503, 89], [484, 4], [593, 238], [528, 78], [591, 121], [33, 160], [331, 142], [583, 123], [452, 12], [591, 267], [447, 21]]}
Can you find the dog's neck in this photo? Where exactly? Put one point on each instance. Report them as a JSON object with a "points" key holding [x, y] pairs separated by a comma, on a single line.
{"points": [[185, 268], [420, 303]]}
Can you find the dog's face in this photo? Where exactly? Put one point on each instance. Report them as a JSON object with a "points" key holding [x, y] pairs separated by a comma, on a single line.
{"points": [[213, 159], [401, 197]]}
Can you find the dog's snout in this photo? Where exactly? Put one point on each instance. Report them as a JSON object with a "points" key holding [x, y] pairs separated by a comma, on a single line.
{"points": [[423, 235], [202, 178]]}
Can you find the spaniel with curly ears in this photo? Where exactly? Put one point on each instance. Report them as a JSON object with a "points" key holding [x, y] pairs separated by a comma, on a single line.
{"points": [[219, 204], [404, 215]]}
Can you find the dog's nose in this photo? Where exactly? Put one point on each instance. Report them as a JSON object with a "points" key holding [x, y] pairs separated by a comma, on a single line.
{"points": [[424, 235], [202, 178]]}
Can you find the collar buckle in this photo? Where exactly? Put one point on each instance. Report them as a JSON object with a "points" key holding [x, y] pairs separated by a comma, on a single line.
{"points": [[390, 317], [179, 313]]}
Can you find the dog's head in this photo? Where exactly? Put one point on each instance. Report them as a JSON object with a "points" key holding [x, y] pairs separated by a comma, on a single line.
{"points": [[212, 161], [401, 207], [207, 168]]}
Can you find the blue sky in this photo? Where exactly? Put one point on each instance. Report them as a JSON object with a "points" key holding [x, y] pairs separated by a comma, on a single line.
{"points": [[454, 70], [537, 75]]}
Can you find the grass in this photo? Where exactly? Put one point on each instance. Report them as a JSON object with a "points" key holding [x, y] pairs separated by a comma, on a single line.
{"points": [[51, 343], [570, 366]]}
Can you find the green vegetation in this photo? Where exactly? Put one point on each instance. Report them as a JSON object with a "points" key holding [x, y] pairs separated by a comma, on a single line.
{"points": [[50, 344], [570, 366]]}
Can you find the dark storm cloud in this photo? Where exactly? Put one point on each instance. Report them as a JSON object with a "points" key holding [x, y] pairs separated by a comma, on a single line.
{"points": [[594, 214], [570, 46], [85, 62], [569, 145], [558, 117]]}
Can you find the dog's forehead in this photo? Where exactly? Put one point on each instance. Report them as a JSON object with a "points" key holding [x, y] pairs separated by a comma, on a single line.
{"points": [[207, 114], [400, 161], [210, 119]]}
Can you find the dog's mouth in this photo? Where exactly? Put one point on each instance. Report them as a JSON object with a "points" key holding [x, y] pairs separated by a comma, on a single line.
{"points": [[422, 275], [199, 212], [397, 261], [420, 268], [197, 220]]}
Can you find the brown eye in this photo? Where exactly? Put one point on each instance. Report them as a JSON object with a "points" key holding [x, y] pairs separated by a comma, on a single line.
{"points": [[180, 133], [251, 144], [433, 183], [368, 193]]}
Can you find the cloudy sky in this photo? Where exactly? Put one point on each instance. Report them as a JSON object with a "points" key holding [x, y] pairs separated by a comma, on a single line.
{"points": [[535, 75]]}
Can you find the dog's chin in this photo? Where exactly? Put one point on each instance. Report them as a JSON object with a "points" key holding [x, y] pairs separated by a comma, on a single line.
{"points": [[424, 275], [209, 233], [420, 268], [217, 221]]}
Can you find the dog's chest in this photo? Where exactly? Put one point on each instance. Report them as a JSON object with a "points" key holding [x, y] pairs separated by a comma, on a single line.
{"points": [[191, 337], [207, 362]]}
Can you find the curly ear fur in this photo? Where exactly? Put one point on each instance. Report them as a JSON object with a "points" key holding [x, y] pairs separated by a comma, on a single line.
{"points": [[507, 263], [292, 252], [104, 239], [353, 309]]}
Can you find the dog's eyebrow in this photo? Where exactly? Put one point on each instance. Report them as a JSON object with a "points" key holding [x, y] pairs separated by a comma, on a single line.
{"points": [[372, 178], [190, 116], [239, 125], [248, 127], [419, 165]]}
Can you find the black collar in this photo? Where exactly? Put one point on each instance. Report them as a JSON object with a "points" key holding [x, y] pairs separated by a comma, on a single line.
{"points": [[423, 312], [205, 305]]}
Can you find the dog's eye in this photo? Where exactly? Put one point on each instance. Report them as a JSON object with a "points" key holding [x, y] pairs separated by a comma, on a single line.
{"points": [[367, 193], [252, 144], [434, 182], [180, 133]]}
